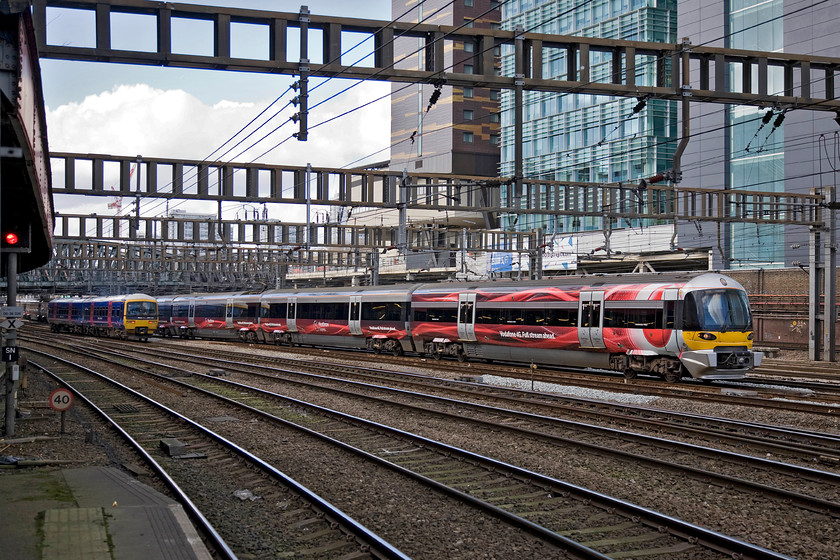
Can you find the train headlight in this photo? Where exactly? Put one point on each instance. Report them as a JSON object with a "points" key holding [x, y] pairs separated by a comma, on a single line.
{"points": [[707, 336], [750, 336]]}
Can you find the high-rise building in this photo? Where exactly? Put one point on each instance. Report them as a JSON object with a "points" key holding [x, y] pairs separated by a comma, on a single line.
{"points": [[730, 148], [588, 138], [459, 133]]}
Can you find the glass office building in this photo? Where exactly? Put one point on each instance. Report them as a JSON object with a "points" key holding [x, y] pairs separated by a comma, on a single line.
{"points": [[729, 148], [756, 158], [588, 138]]}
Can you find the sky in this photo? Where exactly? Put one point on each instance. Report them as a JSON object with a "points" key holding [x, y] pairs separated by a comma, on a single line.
{"points": [[131, 110]]}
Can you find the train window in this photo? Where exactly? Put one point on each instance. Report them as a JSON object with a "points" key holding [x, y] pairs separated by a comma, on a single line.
{"points": [[323, 311], [633, 318], [181, 310], [164, 311], [274, 311], [437, 314], [716, 310], [466, 315], [488, 316], [244, 311], [590, 316], [383, 311], [208, 310], [670, 314], [141, 309], [561, 317], [334, 311], [513, 317], [535, 317]]}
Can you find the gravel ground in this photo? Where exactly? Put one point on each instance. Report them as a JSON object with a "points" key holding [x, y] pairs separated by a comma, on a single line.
{"points": [[798, 534]]}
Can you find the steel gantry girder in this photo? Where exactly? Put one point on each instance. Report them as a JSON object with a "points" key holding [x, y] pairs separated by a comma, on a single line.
{"points": [[380, 189], [809, 81]]}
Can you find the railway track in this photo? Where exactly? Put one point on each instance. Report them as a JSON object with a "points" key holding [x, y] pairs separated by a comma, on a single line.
{"points": [[806, 446], [149, 428], [764, 440], [760, 392], [492, 471]]}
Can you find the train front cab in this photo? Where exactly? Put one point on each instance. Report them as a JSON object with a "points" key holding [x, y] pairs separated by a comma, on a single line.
{"points": [[717, 332], [140, 316]]}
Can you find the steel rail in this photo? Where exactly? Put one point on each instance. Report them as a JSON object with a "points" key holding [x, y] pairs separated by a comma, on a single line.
{"points": [[378, 545]]}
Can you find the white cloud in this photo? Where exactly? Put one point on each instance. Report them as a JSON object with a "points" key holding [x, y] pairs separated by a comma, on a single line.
{"points": [[132, 120], [139, 119]]}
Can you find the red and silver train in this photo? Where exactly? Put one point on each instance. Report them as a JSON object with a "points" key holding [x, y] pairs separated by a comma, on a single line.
{"points": [[671, 325]]}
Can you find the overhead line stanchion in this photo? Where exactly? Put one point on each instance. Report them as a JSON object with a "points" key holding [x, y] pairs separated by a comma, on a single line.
{"points": [[830, 276], [518, 103], [303, 68]]}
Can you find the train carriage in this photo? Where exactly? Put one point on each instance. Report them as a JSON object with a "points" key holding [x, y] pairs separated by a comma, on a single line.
{"points": [[165, 327], [126, 316], [670, 325], [375, 318], [220, 316]]}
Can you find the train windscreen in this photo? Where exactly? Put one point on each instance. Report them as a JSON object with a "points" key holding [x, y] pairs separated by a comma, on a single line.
{"points": [[141, 310], [717, 310]]}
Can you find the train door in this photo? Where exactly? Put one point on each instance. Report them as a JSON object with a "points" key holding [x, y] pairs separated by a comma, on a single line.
{"points": [[291, 315], [229, 314], [355, 319], [191, 315], [466, 316], [591, 320], [669, 299]]}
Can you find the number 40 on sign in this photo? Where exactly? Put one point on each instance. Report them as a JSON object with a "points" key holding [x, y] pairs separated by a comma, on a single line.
{"points": [[61, 399]]}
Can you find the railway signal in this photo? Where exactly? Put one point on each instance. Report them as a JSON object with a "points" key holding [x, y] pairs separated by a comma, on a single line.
{"points": [[15, 239]]}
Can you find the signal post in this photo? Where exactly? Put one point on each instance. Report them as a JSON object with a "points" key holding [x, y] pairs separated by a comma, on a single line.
{"points": [[14, 240]]}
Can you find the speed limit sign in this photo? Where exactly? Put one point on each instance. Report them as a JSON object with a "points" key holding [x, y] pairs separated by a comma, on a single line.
{"points": [[61, 399]]}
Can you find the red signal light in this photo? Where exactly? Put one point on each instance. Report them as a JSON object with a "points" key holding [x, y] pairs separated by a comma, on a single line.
{"points": [[11, 238]]}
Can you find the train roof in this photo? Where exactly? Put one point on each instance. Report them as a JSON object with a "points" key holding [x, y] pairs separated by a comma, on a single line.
{"points": [[687, 279], [682, 279], [124, 297]]}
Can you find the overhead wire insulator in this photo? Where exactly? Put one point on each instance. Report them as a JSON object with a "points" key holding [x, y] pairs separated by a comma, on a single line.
{"points": [[435, 94], [640, 105], [433, 99], [766, 118]]}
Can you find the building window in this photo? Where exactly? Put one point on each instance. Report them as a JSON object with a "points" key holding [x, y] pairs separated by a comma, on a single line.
{"points": [[469, 47], [468, 68], [468, 114], [468, 22], [468, 3], [495, 94], [494, 139], [468, 138], [495, 117], [468, 92]]}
